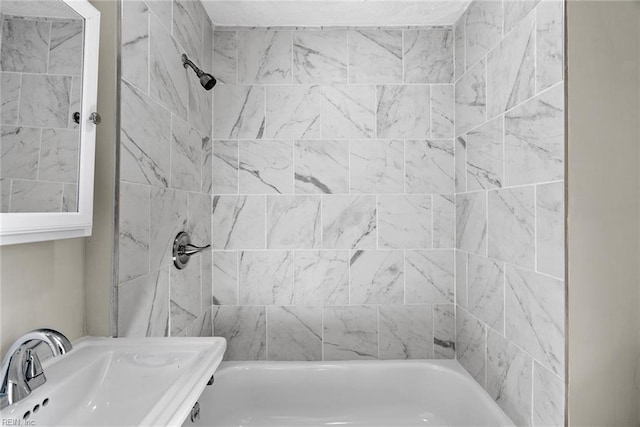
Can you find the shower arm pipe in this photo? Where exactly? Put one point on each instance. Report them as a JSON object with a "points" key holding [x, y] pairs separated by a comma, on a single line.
{"points": [[186, 62]]}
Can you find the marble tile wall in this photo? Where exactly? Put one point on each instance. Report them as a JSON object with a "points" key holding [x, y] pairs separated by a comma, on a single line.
{"points": [[333, 193], [40, 89], [165, 169], [509, 129]]}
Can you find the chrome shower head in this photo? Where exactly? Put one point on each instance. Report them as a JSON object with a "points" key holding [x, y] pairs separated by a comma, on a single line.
{"points": [[206, 80]]}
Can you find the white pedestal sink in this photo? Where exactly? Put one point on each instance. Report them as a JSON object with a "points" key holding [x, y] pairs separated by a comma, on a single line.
{"points": [[121, 381]]}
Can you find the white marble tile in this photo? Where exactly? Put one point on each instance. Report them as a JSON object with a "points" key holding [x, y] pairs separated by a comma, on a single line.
{"points": [[145, 133], [471, 343], [70, 198], [168, 82], [548, 398], [162, 10], [44, 101], [321, 277], [376, 166], [430, 166], [483, 29], [429, 276], [511, 69], [349, 222], [509, 378], [65, 48], [461, 278], [200, 106], [225, 277], [186, 156], [377, 277], [375, 56], [266, 167], [187, 27], [225, 54], [348, 111], [515, 10], [404, 222], [19, 152], [512, 225], [143, 306], [403, 111], [535, 316], [405, 332], [350, 333], [75, 101], [321, 166], [444, 221], [550, 229], [225, 167], [471, 222], [471, 98], [238, 222], [320, 56], [135, 43], [486, 291], [206, 164], [168, 217], [442, 111], [460, 151], [428, 55], [201, 327], [485, 148], [35, 196], [266, 277], [25, 45], [59, 151], [186, 303], [264, 56], [534, 139], [207, 42], [5, 194], [293, 112], [206, 275], [133, 244], [293, 222], [459, 46], [239, 112], [444, 331], [10, 87], [549, 44], [245, 330], [294, 333], [199, 218]]}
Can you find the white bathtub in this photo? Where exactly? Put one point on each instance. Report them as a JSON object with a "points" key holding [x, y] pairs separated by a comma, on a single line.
{"points": [[354, 393]]}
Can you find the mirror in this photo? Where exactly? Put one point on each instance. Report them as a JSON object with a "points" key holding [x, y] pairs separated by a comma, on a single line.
{"points": [[48, 76]]}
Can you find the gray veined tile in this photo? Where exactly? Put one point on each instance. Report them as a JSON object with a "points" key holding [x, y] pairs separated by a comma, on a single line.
{"points": [[36, 196], [430, 166], [206, 164], [143, 306], [70, 198], [471, 342], [350, 333], [348, 111], [511, 69], [428, 55], [135, 43], [266, 167], [186, 156], [10, 87], [550, 228], [266, 278], [471, 222], [168, 218], [25, 45], [460, 152], [444, 331], [549, 44], [44, 101], [19, 152], [320, 56], [471, 98], [224, 277], [185, 304], [199, 218], [486, 291], [5, 194], [459, 46], [461, 278], [349, 222], [376, 166], [442, 106], [264, 56], [483, 29], [377, 277], [444, 221], [293, 112], [206, 276], [201, 327], [225, 52], [294, 333], [75, 101], [66, 47], [133, 242], [321, 166], [515, 10], [485, 148], [293, 222], [403, 111], [534, 139], [406, 331], [188, 18], [535, 316], [239, 222], [509, 378], [429, 276], [162, 10], [548, 397], [146, 139], [225, 167], [245, 330], [375, 56], [59, 151], [207, 42], [512, 225], [321, 277], [404, 222], [239, 112], [200, 107]]}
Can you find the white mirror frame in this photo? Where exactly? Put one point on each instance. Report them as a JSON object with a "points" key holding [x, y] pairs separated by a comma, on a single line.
{"points": [[41, 226]]}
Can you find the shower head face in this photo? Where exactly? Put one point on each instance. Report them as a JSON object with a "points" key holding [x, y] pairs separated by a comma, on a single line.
{"points": [[207, 81]]}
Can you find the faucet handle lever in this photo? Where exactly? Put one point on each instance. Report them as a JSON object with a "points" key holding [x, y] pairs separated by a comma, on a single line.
{"points": [[33, 367]]}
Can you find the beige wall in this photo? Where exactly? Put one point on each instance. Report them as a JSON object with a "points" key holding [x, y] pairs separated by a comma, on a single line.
{"points": [[603, 217]]}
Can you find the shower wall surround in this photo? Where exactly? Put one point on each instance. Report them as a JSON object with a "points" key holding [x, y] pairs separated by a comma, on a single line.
{"points": [[333, 182], [509, 111]]}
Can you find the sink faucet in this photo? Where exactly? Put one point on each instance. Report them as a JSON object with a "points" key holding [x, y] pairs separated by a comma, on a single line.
{"points": [[21, 369]]}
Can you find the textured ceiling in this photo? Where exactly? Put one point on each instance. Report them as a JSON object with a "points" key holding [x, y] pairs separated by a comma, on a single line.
{"points": [[271, 13]]}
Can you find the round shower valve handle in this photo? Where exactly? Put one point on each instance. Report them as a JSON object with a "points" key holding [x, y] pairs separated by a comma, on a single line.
{"points": [[95, 118]]}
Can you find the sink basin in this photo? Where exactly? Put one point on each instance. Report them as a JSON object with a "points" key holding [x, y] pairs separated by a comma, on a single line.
{"points": [[122, 381]]}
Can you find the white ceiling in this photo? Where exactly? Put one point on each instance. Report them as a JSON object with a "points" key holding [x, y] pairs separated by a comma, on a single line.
{"points": [[312, 13]]}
